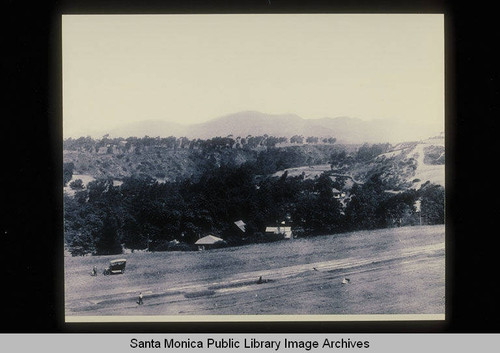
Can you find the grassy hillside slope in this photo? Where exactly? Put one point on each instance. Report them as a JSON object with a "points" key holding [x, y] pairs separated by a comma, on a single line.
{"points": [[391, 271]]}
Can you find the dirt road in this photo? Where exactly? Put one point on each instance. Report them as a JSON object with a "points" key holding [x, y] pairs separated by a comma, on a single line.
{"points": [[427, 172], [395, 271]]}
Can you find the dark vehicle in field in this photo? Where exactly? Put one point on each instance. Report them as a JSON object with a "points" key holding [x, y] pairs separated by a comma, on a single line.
{"points": [[115, 267]]}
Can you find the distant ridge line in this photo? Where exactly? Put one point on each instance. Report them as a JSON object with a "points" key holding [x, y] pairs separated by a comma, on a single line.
{"points": [[345, 129]]}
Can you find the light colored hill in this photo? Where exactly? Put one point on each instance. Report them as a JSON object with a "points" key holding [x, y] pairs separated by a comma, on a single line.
{"points": [[428, 172], [420, 152], [344, 129], [400, 155], [310, 172]]}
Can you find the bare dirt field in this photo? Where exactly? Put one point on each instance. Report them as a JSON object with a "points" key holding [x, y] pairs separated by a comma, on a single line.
{"points": [[391, 271]]}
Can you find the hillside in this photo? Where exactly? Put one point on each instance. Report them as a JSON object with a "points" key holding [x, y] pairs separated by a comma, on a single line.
{"points": [[403, 166], [171, 163], [400, 166], [179, 190]]}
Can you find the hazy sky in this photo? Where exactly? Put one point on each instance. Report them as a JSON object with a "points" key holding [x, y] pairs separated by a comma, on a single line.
{"points": [[192, 68]]}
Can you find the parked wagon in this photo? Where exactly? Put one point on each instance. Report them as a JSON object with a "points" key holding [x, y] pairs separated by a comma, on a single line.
{"points": [[115, 267]]}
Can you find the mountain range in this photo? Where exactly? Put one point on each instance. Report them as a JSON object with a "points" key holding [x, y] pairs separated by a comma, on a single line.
{"points": [[344, 129]]}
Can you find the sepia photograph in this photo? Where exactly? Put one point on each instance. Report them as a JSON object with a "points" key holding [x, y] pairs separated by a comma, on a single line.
{"points": [[251, 167]]}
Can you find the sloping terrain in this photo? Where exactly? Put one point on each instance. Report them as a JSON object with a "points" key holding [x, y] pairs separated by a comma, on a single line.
{"points": [[159, 163], [167, 164], [418, 162], [406, 165], [390, 271], [429, 169]]}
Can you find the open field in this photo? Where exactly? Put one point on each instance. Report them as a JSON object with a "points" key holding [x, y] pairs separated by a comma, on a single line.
{"points": [[391, 271], [310, 172]]}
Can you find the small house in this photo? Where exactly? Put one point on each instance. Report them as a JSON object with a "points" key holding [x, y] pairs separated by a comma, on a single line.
{"points": [[285, 230], [337, 194], [209, 242], [241, 225]]}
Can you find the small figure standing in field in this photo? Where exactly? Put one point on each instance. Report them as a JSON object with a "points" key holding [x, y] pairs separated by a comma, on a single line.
{"points": [[260, 280], [94, 271], [140, 299]]}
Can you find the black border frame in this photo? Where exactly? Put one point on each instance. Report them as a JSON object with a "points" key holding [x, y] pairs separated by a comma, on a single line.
{"points": [[32, 227]]}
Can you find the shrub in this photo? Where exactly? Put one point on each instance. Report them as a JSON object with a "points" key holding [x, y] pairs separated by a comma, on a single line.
{"points": [[67, 172], [76, 184]]}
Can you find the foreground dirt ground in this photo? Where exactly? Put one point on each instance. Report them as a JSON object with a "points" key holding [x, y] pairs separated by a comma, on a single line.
{"points": [[390, 271]]}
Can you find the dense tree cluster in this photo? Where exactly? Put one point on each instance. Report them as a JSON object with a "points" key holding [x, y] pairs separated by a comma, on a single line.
{"points": [[119, 144], [68, 172], [367, 152], [142, 213], [232, 179], [178, 158]]}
